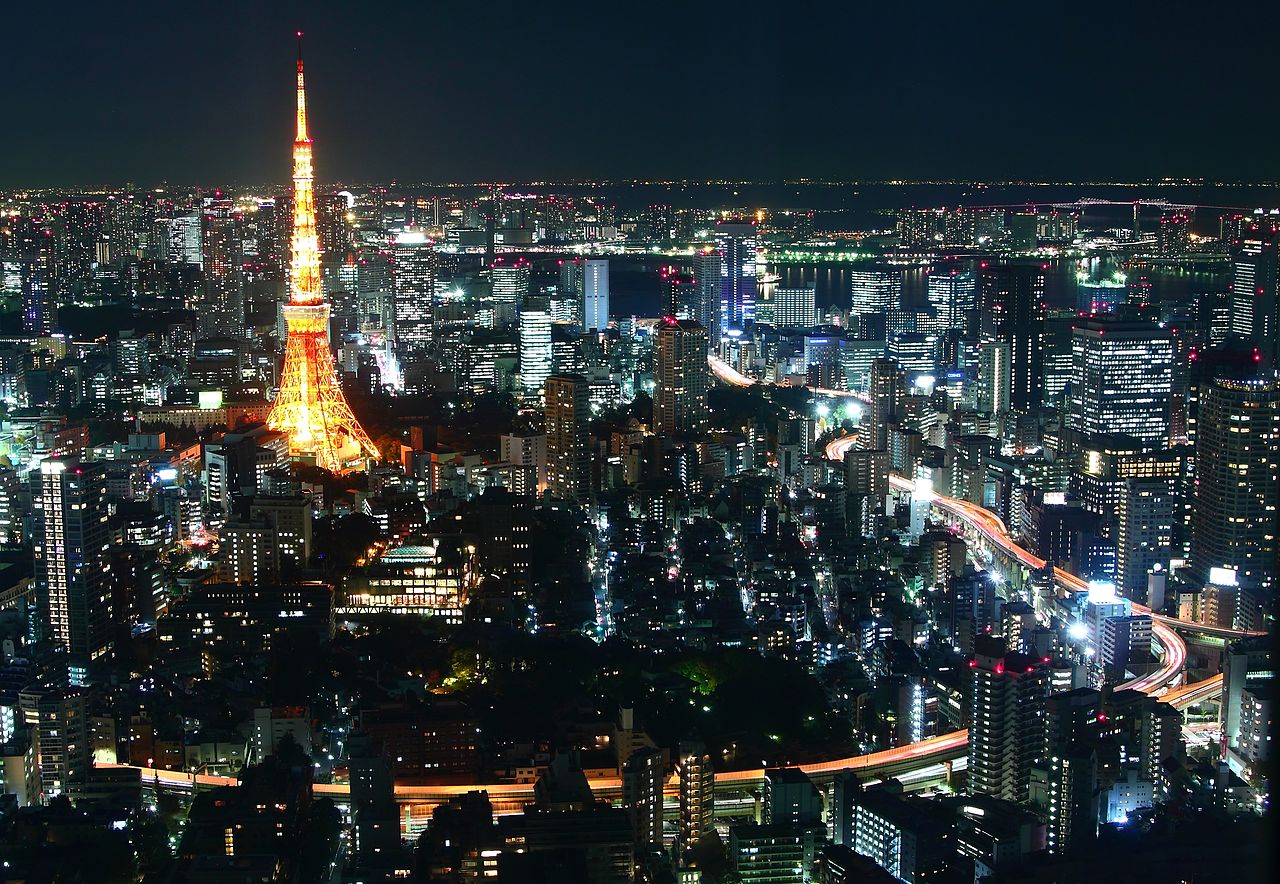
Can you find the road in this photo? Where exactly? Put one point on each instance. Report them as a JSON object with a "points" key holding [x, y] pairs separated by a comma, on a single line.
{"points": [[911, 760], [730, 375], [993, 529], [511, 797]]}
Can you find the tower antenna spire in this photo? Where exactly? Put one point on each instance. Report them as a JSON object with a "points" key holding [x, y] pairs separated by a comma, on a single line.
{"points": [[310, 406]]}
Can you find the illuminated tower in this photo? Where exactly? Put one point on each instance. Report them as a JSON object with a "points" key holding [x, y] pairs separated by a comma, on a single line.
{"points": [[309, 405]]}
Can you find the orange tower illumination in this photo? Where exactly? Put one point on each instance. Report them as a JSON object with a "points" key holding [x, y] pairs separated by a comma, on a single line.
{"points": [[309, 405]]}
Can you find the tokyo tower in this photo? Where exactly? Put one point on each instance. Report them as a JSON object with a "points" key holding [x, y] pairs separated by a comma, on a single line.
{"points": [[309, 405]]}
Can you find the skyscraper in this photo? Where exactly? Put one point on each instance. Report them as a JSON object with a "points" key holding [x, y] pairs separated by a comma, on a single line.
{"points": [[643, 777], [567, 305], [568, 461], [71, 545], [681, 378], [697, 794], [736, 245], [510, 287], [678, 294], [221, 313], [535, 344], [34, 247], [954, 296], [1122, 379], [706, 274], [995, 376], [795, 307], [595, 295], [413, 288], [184, 244], [888, 386], [1144, 533], [1237, 488], [310, 406], [1012, 298], [1006, 731], [1255, 288], [877, 291]]}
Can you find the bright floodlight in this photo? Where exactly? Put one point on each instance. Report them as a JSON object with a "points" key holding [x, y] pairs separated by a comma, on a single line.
{"points": [[1078, 631], [1102, 592]]}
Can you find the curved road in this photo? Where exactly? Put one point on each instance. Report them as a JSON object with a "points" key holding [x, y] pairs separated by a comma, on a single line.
{"points": [[936, 751]]}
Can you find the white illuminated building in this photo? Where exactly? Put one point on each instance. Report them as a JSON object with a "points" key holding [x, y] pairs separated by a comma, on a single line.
{"points": [[1122, 379], [595, 295], [535, 345]]}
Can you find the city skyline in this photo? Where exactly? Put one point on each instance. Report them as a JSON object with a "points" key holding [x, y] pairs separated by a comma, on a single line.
{"points": [[635, 533]]}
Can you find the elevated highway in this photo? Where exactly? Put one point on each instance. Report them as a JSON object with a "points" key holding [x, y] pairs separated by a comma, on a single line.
{"points": [[921, 763]]}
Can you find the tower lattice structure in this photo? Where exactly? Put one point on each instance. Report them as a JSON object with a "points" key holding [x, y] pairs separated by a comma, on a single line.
{"points": [[310, 406]]}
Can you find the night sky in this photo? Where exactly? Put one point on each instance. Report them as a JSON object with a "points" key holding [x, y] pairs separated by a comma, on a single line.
{"points": [[469, 90]]}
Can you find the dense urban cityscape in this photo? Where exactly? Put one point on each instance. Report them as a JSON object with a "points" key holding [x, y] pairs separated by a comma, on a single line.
{"points": [[687, 531]]}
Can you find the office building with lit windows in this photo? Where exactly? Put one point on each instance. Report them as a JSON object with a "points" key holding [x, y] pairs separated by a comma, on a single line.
{"points": [[510, 283], [1122, 379], [536, 362], [795, 306], [953, 295], [1255, 287], [413, 292], [875, 291]]}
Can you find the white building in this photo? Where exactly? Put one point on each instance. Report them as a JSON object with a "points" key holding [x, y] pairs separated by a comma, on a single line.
{"points": [[595, 295]]}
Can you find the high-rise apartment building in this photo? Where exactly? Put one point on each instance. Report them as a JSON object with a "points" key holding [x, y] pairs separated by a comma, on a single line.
{"points": [[567, 409], [736, 245], [697, 794], [32, 248], [71, 545], [1122, 379], [643, 777], [1006, 729], [1237, 488], [706, 274], [1070, 764], [681, 378]]}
